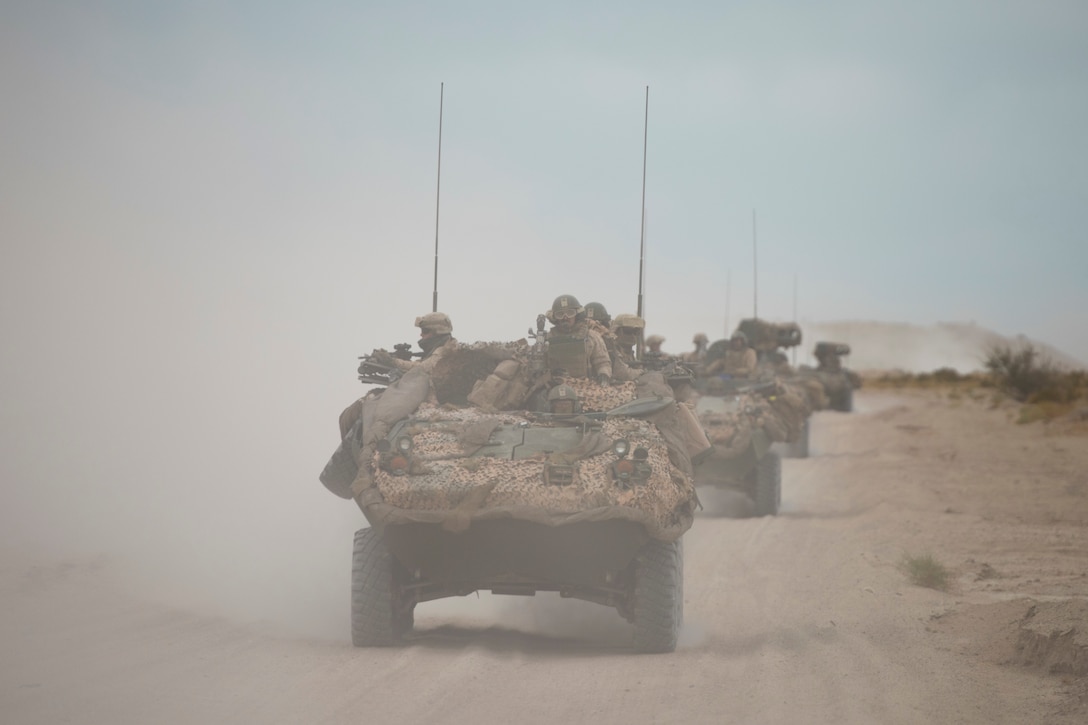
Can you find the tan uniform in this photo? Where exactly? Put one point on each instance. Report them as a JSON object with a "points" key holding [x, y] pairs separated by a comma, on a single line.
{"points": [[622, 364], [739, 363], [598, 361], [428, 363]]}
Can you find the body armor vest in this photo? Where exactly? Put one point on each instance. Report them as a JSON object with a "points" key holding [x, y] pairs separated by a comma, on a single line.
{"points": [[568, 353]]}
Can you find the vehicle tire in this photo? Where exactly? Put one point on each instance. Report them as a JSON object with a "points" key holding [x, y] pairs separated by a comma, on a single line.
{"points": [[379, 617], [844, 401], [658, 596], [768, 485], [799, 448]]}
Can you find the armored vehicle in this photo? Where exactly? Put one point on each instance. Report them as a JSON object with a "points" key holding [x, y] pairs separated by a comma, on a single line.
{"points": [[838, 382], [789, 398], [588, 497], [744, 421]]}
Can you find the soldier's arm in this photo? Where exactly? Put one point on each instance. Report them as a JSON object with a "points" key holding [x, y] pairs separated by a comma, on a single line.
{"points": [[598, 355], [750, 361]]}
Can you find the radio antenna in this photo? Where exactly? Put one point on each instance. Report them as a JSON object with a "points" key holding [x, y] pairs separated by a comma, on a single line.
{"points": [[755, 270], [642, 233], [728, 294], [438, 196], [794, 363]]}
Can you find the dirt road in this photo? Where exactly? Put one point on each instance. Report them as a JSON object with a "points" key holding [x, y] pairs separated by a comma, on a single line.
{"points": [[806, 617]]}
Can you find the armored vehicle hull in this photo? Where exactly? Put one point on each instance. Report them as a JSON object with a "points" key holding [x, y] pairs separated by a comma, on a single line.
{"points": [[742, 459], [591, 505]]}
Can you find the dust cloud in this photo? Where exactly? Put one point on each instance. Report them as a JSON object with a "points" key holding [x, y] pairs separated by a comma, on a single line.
{"points": [[916, 348], [170, 429]]}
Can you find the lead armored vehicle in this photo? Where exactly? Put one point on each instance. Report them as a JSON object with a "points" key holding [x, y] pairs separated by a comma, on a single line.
{"points": [[588, 497]]}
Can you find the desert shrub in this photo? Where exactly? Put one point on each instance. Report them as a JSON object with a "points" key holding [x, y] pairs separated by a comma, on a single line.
{"points": [[1022, 370], [1047, 410], [926, 571], [947, 375]]}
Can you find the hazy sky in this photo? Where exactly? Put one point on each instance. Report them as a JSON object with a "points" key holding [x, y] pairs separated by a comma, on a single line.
{"points": [[209, 209]]}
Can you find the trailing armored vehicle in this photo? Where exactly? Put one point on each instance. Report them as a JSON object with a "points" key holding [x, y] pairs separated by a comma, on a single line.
{"points": [[588, 497], [744, 420], [790, 399], [838, 382]]}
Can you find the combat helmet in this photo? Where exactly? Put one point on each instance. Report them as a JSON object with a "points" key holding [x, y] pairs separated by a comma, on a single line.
{"points": [[655, 340], [700, 338], [626, 320], [596, 311], [436, 322], [564, 393], [627, 328], [565, 302]]}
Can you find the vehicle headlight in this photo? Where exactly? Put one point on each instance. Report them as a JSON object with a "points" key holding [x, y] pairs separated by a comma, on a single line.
{"points": [[620, 447]]}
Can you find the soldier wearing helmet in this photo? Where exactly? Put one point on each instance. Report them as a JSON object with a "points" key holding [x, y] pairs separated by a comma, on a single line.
{"points": [[739, 360], [697, 355], [654, 358], [573, 348], [627, 332], [435, 339], [596, 313], [563, 400]]}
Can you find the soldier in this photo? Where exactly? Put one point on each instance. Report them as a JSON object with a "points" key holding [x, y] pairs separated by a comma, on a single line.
{"points": [[654, 358], [626, 330], [435, 339], [598, 317], [563, 400], [739, 360], [698, 355], [828, 357], [574, 348]]}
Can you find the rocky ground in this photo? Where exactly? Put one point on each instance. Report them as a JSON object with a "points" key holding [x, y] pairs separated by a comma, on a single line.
{"points": [[806, 617]]}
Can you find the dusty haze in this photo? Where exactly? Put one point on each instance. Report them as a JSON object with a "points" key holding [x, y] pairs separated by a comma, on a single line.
{"points": [[184, 457]]}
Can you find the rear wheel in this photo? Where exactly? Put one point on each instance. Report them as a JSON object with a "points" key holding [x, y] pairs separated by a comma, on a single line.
{"points": [[379, 614], [768, 485], [799, 448], [844, 400], [658, 596]]}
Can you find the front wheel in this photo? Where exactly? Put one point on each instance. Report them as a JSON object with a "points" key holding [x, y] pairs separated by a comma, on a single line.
{"points": [[799, 448], [768, 485], [844, 400], [379, 614], [658, 596]]}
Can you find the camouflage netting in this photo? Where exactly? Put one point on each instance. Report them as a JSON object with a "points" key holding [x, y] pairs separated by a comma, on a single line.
{"points": [[821, 385], [781, 415], [597, 398], [766, 336], [447, 487]]}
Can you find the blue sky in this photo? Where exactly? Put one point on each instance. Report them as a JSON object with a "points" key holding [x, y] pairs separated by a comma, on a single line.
{"points": [[919, 164], [208, 210]]}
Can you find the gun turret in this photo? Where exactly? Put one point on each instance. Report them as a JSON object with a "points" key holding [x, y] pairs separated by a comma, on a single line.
{"points": [[374, 373], [537, 353]]}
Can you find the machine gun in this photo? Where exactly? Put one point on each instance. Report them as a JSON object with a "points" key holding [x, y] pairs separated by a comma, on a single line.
{"points": [[403, 351], [372, 372], [538, 352]]}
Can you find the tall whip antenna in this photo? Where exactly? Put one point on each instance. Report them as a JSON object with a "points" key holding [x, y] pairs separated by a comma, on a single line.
{"points": [[755, 270], [642, 233], [728, 294], [794, 316], [438, 195]]}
